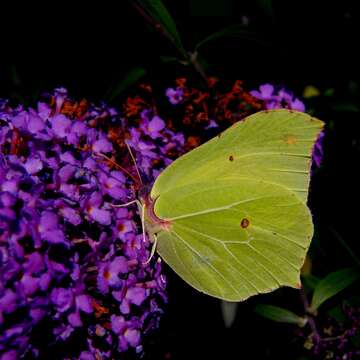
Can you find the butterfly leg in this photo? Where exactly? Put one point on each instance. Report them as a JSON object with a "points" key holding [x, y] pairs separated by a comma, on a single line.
{"points": [[142, 211], [142, 207], [153, 237], [153, 248]]}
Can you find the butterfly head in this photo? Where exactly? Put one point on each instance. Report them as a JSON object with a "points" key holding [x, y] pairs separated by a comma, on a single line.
{"points": [[153, 222], [143, 193]]}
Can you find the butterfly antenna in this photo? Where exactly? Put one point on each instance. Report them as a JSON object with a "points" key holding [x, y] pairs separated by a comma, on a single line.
{"points": [[115, 164], [134, 161]]}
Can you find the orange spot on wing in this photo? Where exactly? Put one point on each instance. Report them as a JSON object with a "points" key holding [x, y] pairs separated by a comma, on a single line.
{"points": [[290, 139]]}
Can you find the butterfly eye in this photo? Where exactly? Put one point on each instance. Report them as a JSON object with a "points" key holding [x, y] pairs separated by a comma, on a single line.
{"points": [[245, 223]]}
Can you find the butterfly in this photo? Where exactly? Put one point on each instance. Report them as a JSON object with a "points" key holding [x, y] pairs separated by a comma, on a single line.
{"points": [[230, 217]]}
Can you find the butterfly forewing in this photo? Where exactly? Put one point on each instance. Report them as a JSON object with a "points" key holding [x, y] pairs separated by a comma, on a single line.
{"points": [[273, 146]]}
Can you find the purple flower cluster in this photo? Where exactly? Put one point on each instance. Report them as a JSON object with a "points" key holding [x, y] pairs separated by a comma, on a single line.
{"points": [[335, 339], [154, 144], [283, 99], [70, 262], [277, 99]]}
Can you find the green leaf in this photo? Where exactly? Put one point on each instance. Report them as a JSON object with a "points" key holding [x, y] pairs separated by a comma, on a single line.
{"points": [[232, 32], [332, 284], [160, 18], [279, 314], [131, 78], [310, 281]]}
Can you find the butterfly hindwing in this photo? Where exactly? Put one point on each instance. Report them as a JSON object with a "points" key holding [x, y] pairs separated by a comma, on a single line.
{"points": [[236, 239]]}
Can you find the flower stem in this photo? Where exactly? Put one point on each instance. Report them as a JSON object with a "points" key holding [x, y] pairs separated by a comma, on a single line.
{"points": [[309, 317]]}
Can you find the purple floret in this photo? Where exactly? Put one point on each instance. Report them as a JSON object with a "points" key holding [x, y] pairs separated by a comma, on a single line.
{"points": [[175, 96], [277, 99]]}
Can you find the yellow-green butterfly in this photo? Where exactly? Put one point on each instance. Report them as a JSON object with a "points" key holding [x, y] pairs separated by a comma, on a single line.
{"points": [[230, 216]]}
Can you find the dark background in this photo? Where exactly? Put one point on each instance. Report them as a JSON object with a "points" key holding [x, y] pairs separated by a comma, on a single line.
{"points": [[90, 47], [87, 46]]}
